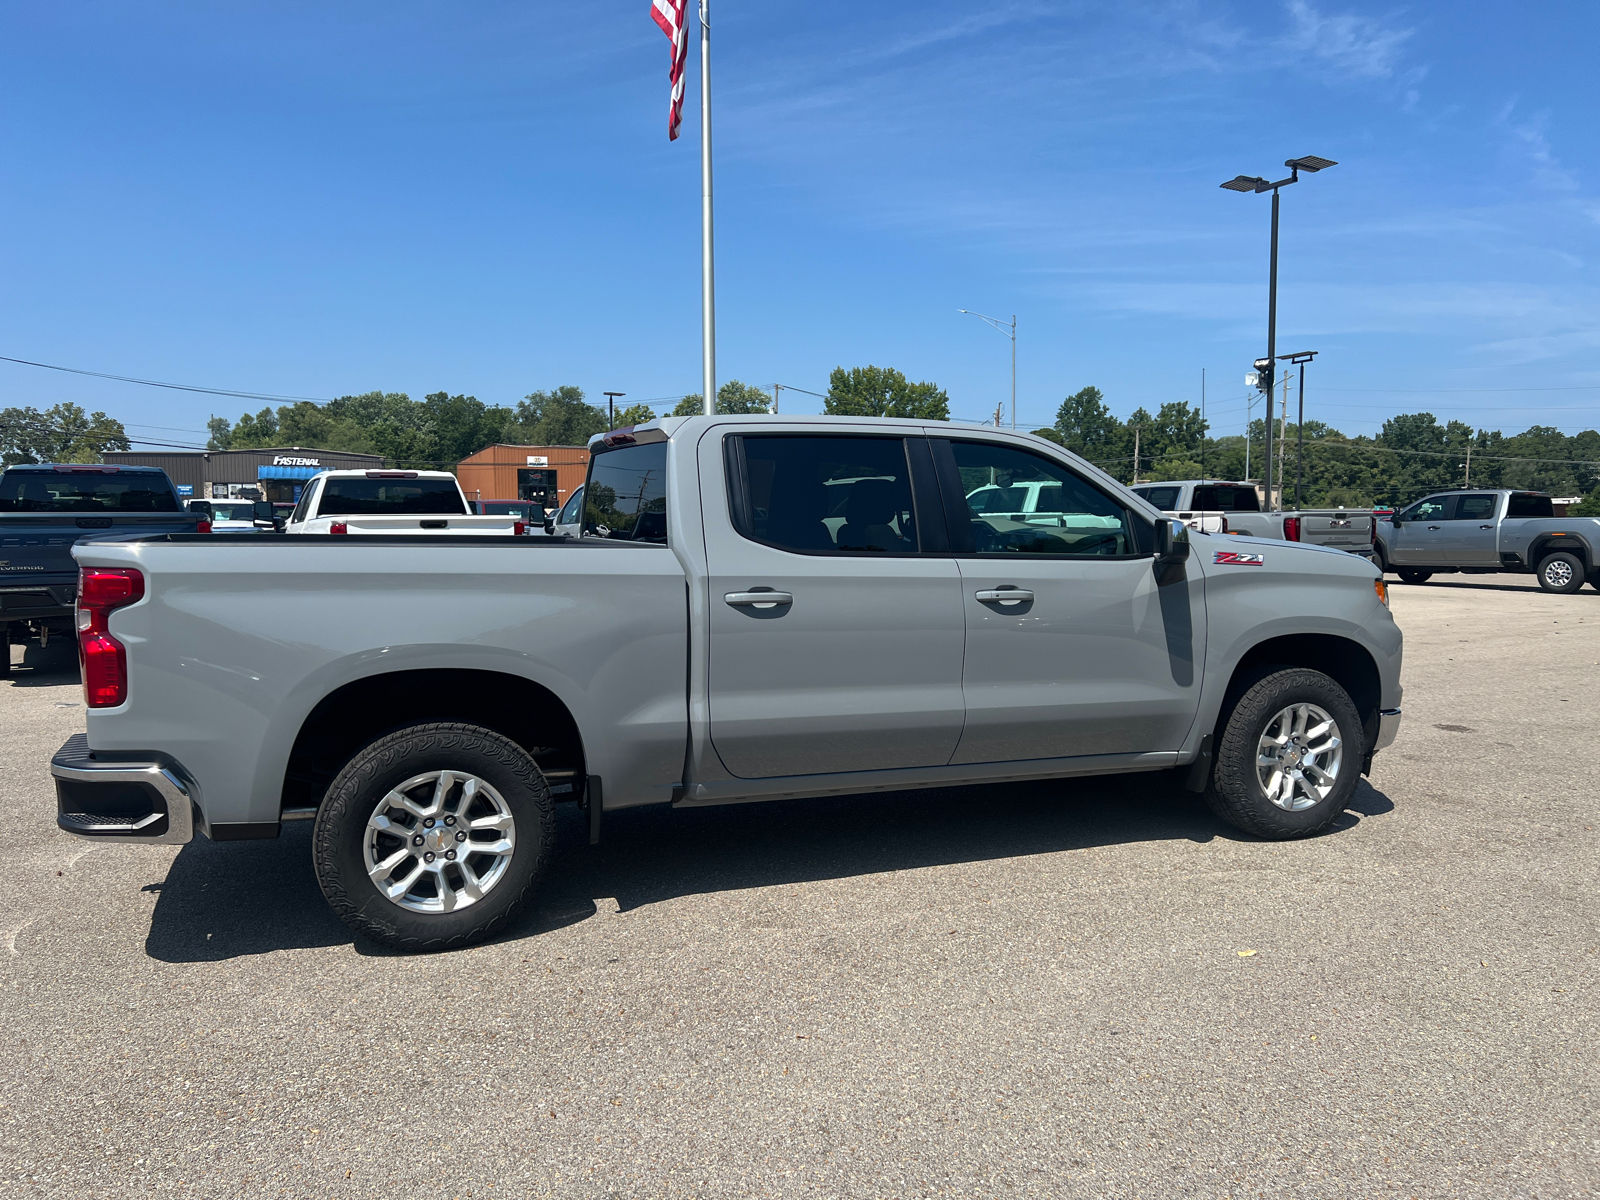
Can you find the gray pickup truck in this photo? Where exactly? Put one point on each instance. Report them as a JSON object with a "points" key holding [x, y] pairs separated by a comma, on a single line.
{"points": [[1475, 531], [46, 508], [1219, 506], [754, 608]]}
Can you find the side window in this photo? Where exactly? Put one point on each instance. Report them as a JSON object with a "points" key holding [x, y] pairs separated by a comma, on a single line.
{"points": [[824, 495], [1526, 504], [1061, 514], [1474, 508], [1221, 498], [569, 511], [1164, 498], [625, 497], [307, 499], [1431, 509]]}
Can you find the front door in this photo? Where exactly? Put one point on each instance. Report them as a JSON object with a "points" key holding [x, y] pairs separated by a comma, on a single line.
{"points": [[855, 664], [1419, 540], [1469, 537], [1075, 645], [537, 484]]}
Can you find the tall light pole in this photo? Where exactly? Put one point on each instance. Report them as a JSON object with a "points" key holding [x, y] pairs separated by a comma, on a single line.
{"points": [[1254, 183], [611, 406], [1010, 331], [1300, 360], [708, 299]]}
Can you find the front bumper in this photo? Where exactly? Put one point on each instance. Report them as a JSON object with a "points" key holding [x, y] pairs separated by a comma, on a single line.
{"points": [[1388, 727], [109, 801]]}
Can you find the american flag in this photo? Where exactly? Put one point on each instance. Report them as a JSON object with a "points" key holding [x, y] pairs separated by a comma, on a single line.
{"points": [[669, 15]]}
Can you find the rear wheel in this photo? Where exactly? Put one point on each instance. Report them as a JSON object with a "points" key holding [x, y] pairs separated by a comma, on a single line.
{"points": [[1561, 572], [1289, 756], [1413, 575], [434, 837]]}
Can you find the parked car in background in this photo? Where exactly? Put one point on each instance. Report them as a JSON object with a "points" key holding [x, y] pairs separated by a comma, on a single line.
{"points": [[1219, 506], [237, 516], [392, 502], [44, 510], [1484, 531], [530, 511], [568, 522], [713, 637]]}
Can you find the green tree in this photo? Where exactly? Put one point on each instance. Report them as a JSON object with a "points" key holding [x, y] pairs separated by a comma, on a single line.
{"points": [[560, 417], [733, 399], [1086, 425], [635, 414], [62, 434], [883, 392]]}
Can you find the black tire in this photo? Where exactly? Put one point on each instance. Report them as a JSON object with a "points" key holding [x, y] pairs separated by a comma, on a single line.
{"points": [[1236, 793], [1561, 573], [1413, 575], [1380, 559], [339, 840]]}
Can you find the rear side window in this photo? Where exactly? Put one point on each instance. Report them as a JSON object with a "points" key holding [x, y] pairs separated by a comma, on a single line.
{"points": [[1164, 498], [1474, 508], [825, 495], [391, 497], [1525, 504], [1220, 498], [625, 498], [85, 491]]}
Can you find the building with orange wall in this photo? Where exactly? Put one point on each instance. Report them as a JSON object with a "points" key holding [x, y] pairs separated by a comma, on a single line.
{"points": [[549, 474]]}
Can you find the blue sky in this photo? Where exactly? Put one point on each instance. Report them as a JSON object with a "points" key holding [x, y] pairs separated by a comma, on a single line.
{"points": [[314, 199]]}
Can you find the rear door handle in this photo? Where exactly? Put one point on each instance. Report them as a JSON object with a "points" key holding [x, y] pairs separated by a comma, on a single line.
{"points": [[1004, 595], [1485, 526], [758, 599], [1435, 528]]}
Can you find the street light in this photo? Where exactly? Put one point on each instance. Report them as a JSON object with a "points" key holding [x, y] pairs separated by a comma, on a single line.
{"points": [[1009, 331], [1300, 360], [611, 405], [1254, 183]]}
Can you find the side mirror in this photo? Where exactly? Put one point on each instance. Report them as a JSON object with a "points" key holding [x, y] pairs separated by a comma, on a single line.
{"points": [[550, 524], [1395, 521], [263, 510], [1172, 542], [200, 506]]}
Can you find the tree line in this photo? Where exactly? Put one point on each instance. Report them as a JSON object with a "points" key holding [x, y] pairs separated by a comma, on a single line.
{"points": [[63, 433], [1412, 455]]}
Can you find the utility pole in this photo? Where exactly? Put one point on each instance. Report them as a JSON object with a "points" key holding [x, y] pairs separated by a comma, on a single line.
{"points": [[1202, 422], [1010, 331], [1467, 482], [1283, 438], [1136, 429], [611, 406], [999, 413], [1250, 399], [776, 388]]}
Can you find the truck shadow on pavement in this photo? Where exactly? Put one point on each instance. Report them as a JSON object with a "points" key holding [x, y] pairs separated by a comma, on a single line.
{"points": [[244, 898]]}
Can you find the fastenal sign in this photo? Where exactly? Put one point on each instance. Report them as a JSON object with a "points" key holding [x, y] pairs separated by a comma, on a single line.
{"points": [[289, 460], [538, 460]]}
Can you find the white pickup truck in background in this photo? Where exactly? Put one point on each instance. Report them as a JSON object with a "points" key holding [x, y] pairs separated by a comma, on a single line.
{"points": [[1218, 506], [393, 502]]}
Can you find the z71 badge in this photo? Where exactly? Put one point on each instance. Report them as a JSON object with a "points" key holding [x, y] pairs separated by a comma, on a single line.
{"points": [[1239, 558]]}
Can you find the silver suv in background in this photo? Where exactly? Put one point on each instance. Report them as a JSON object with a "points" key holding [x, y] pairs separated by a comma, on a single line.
{"points": [[1479, 531]]}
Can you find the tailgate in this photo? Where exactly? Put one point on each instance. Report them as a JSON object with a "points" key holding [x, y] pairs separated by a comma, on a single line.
{"points": [[1338, 530]]}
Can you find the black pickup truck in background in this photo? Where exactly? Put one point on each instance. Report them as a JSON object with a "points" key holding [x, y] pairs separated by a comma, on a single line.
{"points": [[44, 509]]}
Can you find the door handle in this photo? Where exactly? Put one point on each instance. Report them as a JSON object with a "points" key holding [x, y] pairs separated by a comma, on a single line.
{"points": [[1435, 528], [1004, 595], [758, 599], [1485, 526]]}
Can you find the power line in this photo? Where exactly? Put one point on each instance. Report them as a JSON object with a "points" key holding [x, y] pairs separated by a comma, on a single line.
{"points": [[177, 387]]}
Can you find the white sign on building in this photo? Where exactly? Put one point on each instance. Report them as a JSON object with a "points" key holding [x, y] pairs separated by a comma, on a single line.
{"points": [[538, 460]]}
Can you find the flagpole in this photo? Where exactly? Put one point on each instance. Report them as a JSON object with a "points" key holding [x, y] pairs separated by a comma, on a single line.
{"points": [[708, 303]]}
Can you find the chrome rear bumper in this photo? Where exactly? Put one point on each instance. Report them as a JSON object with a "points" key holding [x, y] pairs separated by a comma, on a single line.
{"points": [[120, 801]]}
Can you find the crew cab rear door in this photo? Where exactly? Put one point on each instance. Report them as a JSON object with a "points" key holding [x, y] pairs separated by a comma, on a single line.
{"points": [[854, 664], [1470, 538]]}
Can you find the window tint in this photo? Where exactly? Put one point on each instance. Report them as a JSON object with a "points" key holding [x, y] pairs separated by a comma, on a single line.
{"points": [[1164, 498], [1474, 508], [1222, 498], [85, 491], [1525, 504], [828, 495], [1431, 509], [569, 511], [372, 497], [1060, 514], [625, 498]]}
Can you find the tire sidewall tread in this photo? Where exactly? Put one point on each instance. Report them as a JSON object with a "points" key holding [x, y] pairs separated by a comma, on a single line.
{"points": [[355, 792], [1578, 573]]}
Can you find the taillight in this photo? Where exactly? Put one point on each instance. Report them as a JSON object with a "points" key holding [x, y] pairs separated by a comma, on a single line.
{"points": [[203, 527], [519, 528], [1224, 524], [1372, 531], [338, 527], [1291, 529], [101, 592]]}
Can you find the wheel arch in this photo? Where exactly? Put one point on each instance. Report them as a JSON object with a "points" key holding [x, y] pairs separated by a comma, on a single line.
{"points": [[1546, 544], [1344, 660], [365, 709]]}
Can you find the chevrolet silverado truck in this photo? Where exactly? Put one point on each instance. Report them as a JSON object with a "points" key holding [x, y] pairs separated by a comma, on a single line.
{"points": [[1479, 531], [755, 608], [392, 502], [47, 507], [1216, 506]]}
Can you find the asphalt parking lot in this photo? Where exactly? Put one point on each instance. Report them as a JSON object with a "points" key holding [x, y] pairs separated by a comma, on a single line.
{"points": [[1079, 989]]}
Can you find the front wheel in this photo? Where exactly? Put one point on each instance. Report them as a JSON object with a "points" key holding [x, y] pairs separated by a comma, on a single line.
{"points": [[434, 836], [1412, 575], [1561, 572], [1289, 756]]}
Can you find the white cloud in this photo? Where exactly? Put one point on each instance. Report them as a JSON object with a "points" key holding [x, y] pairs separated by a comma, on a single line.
{"points": [[1348, 43]]}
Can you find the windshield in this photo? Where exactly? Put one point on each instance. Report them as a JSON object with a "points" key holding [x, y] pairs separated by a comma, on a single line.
{"points": [[221, 510], [380, 497], [85, 491]]}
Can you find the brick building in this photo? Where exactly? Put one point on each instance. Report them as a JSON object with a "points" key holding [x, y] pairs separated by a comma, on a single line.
{"points": [[548, 474]]}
